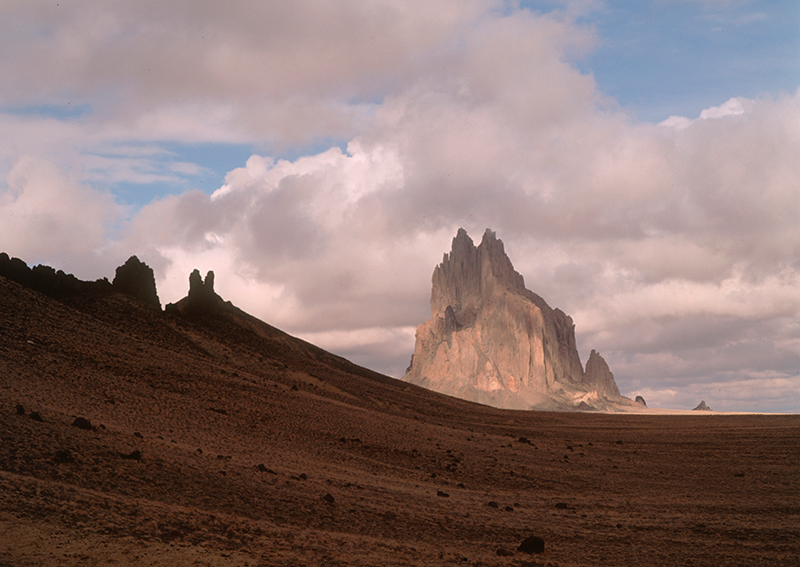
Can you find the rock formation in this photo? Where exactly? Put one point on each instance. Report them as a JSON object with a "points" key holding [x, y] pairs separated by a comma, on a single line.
{"points": [[201, 298], [702, 406], [640, 400], [47, 280], [492, 341], [137, 279]]}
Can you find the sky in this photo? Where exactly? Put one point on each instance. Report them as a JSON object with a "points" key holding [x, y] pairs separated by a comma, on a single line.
{"points": [[639, 159]]}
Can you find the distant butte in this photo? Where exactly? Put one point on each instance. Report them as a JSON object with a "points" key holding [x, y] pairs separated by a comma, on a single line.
{"points": [[492, 341]]}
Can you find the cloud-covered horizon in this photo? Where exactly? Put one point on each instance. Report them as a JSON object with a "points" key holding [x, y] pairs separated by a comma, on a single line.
{"points": [[673, 245]]}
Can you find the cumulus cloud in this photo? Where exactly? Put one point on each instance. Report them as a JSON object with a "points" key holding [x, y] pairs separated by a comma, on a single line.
{"points": [[46, 215], [674, 246]]}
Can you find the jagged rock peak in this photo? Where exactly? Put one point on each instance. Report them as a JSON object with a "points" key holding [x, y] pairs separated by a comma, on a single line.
{"points": [[469, 271], [201, 292], [491, 340], [201, 297], [598, 376], [137, 279], [702, 406]]}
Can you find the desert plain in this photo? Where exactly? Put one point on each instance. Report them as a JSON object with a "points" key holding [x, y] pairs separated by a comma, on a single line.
{"points": [[132, 436]]}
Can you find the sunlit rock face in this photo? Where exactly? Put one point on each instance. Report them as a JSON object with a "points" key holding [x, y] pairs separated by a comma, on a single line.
{"points": [[492, 341]]}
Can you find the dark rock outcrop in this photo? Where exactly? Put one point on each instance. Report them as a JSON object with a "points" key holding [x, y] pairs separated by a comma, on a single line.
{"points": [[492, 341], [82, 423], [702, 406], [137, 279], [640, 400], [46, 280], [202, 299], [531, 545]]}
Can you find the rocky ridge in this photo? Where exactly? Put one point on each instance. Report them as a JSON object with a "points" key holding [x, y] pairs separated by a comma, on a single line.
{"points": [[491, 340]]}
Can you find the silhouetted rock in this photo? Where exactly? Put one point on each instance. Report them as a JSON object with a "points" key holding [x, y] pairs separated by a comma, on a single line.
{"points": [[702, 406], [532, 544], [136, 279], [640, 400], [82, 423], [201, 298], [20, 409], [442, 494], [329, 498], [46, 280], [493, 504], [34, 415], [135, 455]]}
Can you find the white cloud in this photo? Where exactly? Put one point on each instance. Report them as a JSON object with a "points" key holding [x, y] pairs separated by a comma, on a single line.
{"points": [[45, 215]]}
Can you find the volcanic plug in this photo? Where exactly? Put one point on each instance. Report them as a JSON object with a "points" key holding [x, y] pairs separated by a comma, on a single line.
{"points": [[492, 341]]}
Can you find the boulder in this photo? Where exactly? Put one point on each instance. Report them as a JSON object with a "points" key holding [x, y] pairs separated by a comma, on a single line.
{"points": [[531, 545], [640, 400]]}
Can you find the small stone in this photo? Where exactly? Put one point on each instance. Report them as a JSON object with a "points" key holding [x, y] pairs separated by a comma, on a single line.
{"points": [[532, 544], [303, 476], [493, 504], [82, 423], [135, 455], [329, 498], [501, 552], [20, 409], [442, 494], [36, 417], [64, 456], [561, 505]]}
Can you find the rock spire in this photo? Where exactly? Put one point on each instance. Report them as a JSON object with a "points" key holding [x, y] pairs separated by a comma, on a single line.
{"points": [[490, 340], [136, 278]]}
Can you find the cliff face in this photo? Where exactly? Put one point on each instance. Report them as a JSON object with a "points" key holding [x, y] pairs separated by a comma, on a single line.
{"points": [[492, 341]]}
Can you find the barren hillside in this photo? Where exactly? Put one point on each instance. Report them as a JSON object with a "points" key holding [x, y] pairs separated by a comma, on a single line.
{"points": [[215, 439]]}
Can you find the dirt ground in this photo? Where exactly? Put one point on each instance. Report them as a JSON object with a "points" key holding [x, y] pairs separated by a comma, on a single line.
{"points": [[218, 440]]}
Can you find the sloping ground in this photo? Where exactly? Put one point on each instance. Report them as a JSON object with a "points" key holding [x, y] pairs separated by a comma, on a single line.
{"points": [[355, 468]]}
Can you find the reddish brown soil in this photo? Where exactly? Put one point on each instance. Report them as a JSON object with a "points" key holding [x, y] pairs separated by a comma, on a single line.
{"points": [[410, 474]]}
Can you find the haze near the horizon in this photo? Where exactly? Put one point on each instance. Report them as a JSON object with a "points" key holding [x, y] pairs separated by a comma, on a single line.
{"points": [[638, 159]]}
